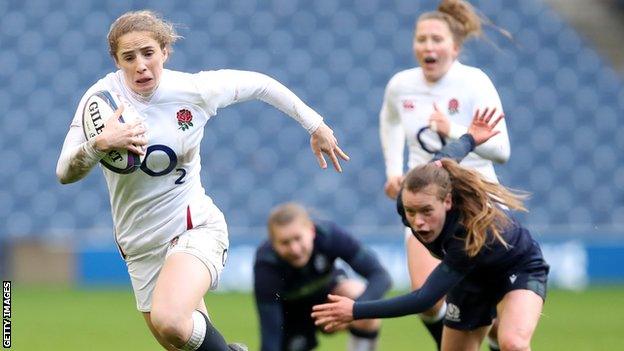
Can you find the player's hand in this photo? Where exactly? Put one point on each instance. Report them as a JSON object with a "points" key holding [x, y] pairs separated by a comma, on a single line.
{"points": [[335, 314], [482, 127], [438, 122], [118, 135], [393, 186], [323, 141]]}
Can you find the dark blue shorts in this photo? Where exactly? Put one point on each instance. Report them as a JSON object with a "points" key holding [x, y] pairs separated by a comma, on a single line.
{"points": [[299, 328], [471, 305]]}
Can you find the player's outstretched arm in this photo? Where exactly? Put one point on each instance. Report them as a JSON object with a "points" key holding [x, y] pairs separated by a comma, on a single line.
{"points": [[481, 129], [482, 126], [323, 141], [235, 86], [340, 310]]}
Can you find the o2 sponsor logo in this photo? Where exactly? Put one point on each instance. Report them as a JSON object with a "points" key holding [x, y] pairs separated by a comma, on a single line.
{"points": [[173, 161]]}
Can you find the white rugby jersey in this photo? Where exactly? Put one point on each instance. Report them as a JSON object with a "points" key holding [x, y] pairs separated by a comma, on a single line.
{"points": [[165, 197], [408, 103]]}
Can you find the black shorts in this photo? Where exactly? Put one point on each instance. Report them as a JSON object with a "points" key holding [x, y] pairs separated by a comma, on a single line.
{"points": [[471, 305], [299, 329]]}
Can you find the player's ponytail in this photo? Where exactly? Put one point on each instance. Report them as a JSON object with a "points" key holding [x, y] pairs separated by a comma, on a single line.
{"points": [[477, 200], [463, 20]]}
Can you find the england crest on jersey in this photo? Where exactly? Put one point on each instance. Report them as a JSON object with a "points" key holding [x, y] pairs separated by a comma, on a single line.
{"points": [[453, 106], [185, 119]]}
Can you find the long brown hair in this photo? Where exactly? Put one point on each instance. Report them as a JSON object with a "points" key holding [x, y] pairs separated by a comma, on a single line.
{"points": [[477, 200]]}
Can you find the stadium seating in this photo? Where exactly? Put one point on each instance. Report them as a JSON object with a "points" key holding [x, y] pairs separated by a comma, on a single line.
{"points": [[561, 100]]}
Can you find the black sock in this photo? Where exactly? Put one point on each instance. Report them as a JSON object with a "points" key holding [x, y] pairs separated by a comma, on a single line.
{"points": [[364, 334], [213, 340], [435, 329]]}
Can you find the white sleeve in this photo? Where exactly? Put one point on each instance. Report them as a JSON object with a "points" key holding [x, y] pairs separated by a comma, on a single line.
{"points": [[225, 87], [78, 155], [496, 149], [392, 136]]}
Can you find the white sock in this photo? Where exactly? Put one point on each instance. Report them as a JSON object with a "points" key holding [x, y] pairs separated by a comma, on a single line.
{"points": [[357, 343], [437, 317], [198, 334]]}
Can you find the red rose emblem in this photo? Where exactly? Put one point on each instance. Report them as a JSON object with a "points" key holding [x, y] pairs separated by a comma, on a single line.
{"points": [[453, 106], [408, 104], [185, 119], [184, 116]]}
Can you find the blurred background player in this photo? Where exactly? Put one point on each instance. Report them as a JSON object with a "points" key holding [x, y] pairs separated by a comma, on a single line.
{"points": [[172, 237], [491, 266], [431, 105], [295, 269]]}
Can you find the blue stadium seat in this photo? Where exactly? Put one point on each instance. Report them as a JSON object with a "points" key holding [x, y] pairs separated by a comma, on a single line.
{"points": [[562, 102], [560, 200]]}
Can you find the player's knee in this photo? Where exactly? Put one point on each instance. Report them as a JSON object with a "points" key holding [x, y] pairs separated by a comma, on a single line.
{"points": [[514, 341], [169, 325]]}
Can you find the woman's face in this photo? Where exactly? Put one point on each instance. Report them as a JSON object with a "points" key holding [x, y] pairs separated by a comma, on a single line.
{"points": [[425, 211], [434, 48], [141, 59]]}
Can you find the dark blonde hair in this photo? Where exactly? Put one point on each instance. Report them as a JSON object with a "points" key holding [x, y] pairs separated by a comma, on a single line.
{"points": [[285, 214], [141, 21], [460, 16], [477, 200]]}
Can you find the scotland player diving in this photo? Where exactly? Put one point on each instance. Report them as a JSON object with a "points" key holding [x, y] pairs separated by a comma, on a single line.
{"points": [[491, 266]]}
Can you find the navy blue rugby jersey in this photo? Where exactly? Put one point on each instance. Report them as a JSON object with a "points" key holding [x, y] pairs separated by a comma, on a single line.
{"points": [[481, 272], [276, 280], [490, 264], [493, 260]]}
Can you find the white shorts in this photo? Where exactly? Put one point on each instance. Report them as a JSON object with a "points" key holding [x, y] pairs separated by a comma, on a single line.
{"points": [[208, 242]]}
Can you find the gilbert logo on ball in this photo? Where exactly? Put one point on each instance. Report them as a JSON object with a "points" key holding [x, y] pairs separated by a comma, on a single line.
{"points": [[98, 109]]}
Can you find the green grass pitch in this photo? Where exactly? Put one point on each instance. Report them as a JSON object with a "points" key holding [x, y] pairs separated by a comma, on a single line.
{"points": [[70, 319]]}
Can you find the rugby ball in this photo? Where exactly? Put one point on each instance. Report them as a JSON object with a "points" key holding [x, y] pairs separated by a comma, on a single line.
{"points": [[98, 108]]}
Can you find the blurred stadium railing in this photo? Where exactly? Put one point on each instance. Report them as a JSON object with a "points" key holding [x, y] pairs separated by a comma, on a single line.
{"points": [[562, 102]]}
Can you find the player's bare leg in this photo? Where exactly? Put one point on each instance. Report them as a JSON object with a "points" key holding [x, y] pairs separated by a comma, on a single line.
{"points": [[420, 264], [463, 340], [160, 339], [518, 314], [364, 333], [181, 285]]}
